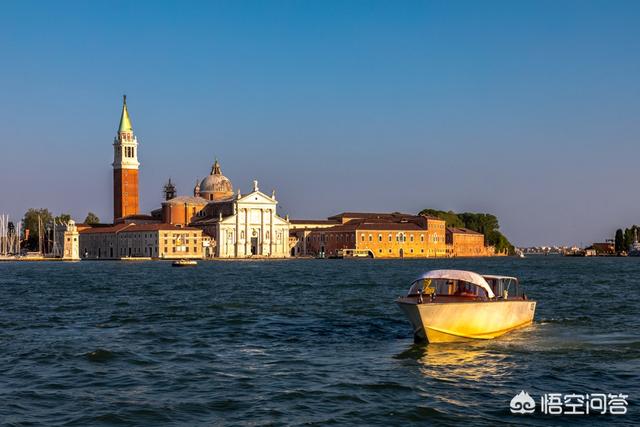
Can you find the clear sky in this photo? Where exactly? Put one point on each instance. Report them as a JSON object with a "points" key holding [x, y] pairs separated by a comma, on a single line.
{"points": [[529, 110]]}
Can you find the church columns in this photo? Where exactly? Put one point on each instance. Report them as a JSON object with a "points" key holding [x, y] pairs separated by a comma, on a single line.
{"points": [[218, 235], [237, 246], [262, 233], [271, 235], [247, 238]]}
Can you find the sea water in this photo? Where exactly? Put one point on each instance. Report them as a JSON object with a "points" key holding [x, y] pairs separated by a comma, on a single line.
{"points": [[302, 342]]}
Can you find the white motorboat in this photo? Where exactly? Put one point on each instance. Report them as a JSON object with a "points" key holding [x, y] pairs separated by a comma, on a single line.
{"points": [[457, 305]]}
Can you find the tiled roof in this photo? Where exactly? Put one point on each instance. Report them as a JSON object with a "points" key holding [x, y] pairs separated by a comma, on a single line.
{"points": [[459, 230], [313, 221], [377, 224], [134, 228], [369, 215], [432, 217], [207, 220], [390, 226], [136, 216], [186, 199]]}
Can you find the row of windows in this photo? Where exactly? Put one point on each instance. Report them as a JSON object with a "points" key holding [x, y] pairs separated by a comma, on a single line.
{"points": [[181, 235], [128, 251], [126, 235], [410, 251], [348, 237], [176, 249], [399, 237], [128, 151], [179, 241], [148, 251], [267, 235]]}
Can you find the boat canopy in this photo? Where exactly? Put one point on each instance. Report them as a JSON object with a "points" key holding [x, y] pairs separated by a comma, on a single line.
{"points": [[465, 276], [496, 277]]}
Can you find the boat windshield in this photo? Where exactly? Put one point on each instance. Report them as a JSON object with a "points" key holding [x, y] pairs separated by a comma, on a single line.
{"points": [[446, 287], [503, 286]]}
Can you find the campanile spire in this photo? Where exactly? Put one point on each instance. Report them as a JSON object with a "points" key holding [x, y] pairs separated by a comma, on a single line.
{"points": [[125, 120]]}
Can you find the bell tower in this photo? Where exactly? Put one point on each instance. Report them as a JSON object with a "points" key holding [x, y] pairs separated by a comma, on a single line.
{"points": [[125, 168]]}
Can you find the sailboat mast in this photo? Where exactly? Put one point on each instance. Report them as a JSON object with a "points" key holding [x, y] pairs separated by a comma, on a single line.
{"points": [[39, 235]]}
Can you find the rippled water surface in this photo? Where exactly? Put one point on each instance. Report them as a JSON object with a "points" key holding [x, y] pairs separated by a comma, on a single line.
{"points": [[301, 342]]}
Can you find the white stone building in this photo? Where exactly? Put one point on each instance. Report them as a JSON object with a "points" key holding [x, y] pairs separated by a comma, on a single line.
{"points": [[66, 241], [246, 226]]}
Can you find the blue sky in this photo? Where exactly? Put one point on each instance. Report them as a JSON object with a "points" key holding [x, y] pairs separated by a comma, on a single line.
{"points": [[528, 110]]}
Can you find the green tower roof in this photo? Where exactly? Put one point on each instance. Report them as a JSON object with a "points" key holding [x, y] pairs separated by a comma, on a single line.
{"points": [[125, 121]]}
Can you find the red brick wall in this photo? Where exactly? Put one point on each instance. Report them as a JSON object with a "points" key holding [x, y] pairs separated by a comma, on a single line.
{"points": [[125, 192]]}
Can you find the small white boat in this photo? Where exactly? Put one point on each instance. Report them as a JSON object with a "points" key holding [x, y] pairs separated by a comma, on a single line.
{"points": [[184, 263], [457, 305]]}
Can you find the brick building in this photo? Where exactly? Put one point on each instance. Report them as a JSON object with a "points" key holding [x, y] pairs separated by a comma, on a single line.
{"points": [[463, 242], [377, 235], [129, 240]]}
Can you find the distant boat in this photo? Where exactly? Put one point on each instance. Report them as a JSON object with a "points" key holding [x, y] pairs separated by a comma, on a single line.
{"points": [[353, 253], [456, 305], [185, 263]]}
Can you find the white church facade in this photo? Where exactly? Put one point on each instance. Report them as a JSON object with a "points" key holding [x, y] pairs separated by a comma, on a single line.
{"points": [[254, 229], [244, 226]]}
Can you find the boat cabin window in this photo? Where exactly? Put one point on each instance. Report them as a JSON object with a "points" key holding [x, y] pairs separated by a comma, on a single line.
{"points": [[446, 287]]}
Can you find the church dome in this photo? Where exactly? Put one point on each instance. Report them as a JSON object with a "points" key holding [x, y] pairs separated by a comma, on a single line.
{"points": [[216, 186]]}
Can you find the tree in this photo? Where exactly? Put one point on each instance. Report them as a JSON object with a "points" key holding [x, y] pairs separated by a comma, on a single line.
{"points": [[628, 237], [36, 221], [500, 242], [620, 241], [91, 219], [484, 223], [450, 217], [62, 219]]}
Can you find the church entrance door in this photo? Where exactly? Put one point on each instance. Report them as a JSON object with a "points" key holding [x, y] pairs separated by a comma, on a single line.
{"points": [[254, 246]]}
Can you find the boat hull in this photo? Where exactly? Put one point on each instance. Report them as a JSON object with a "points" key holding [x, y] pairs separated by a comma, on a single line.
{"points": [[466, 321], [184, 264]]}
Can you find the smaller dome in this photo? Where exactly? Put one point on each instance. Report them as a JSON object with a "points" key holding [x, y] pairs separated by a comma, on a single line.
{"points": [[216, 186]]}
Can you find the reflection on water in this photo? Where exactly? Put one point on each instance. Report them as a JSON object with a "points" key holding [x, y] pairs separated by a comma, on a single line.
{"points": [[459, 362], [473, 360]]}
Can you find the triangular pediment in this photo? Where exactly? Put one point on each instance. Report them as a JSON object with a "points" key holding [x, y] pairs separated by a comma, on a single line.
{"points": [[257, 197]]}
